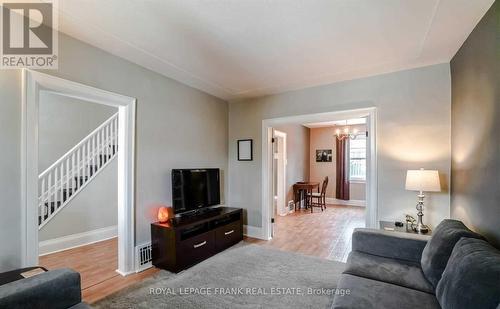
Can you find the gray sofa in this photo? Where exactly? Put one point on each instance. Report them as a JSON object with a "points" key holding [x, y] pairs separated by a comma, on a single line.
{"points": [[55, 289], [455, 268]]}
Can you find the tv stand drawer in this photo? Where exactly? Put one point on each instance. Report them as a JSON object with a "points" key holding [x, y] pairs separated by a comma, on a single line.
{"points": [[196, 248], [228, 235]]}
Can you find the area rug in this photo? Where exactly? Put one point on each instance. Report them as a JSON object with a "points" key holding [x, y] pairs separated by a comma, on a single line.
{"points": [[244, 276]]}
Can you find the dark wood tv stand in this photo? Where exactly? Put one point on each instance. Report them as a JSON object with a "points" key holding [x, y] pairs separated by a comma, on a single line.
{"points": [[185, 241]]}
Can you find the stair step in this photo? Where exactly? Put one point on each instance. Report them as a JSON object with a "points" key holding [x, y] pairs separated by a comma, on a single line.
{"points": [[52, 206], [67, 193], [104, 158], [92, 169], [81, 180]]}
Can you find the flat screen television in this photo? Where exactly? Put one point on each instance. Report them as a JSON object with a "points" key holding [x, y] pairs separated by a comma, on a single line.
{"points": [[194, 189]]}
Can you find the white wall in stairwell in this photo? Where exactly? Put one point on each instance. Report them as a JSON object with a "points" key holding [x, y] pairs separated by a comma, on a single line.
{"points": [[63, 122], [93, 208]]}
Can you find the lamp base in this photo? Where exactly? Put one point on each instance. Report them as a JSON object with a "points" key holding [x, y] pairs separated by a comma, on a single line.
{"points": [[421, 228]]}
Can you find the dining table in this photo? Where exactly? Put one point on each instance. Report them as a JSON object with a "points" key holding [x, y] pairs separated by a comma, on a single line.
{"points": [[300, 191]]}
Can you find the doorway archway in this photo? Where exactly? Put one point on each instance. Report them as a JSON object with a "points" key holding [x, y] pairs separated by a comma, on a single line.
{"points": [[267, 157], [33, 83]]}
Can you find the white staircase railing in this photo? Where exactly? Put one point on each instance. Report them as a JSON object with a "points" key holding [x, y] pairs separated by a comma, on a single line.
{"points": [[62, 181]]}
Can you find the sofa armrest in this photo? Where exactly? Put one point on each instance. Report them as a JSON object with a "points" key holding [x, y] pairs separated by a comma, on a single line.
{"points": [[396, 245], [53, 289]]}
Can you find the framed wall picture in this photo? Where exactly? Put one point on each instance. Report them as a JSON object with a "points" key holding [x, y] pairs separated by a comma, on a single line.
{"points": [[245, 150], [324, 155]]}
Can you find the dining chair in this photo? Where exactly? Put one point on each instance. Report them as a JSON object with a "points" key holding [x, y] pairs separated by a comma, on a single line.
{"points": [[318, 199]]}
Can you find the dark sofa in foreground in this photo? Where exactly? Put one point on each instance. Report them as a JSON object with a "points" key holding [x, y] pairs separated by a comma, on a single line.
{"points": [[55, 289], [456, 268]]}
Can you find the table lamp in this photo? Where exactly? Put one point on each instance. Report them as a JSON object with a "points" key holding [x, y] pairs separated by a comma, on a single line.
{"points": [[422, 181]]}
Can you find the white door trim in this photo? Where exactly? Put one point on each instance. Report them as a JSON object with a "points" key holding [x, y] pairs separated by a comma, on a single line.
{"points": [[33, 83], [284, 163], [371, 192]]}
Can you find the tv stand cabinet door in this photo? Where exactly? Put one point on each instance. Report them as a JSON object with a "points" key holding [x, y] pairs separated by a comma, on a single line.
{"points": [[228, 235]]}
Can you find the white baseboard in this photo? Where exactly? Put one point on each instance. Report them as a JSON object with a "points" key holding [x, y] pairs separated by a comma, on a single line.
{"points": [[77, 240], [335, 201], [125, 274], [252, 231]]}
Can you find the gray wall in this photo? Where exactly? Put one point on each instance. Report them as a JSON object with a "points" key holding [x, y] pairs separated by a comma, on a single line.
{"points": [[177, 126], [297, 152], [413, 130], [475, 75], [93, 208], [63, 122], [10, 163]]}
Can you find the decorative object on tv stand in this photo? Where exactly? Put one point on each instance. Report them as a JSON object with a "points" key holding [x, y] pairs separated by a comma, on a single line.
{"points": [[245, 150], [345, 133], [164, 214], [324, 155], [422, 181]]}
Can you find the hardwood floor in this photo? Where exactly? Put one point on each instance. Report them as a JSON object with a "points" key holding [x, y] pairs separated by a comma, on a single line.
{"points": [[325, 234], [96, 264]]}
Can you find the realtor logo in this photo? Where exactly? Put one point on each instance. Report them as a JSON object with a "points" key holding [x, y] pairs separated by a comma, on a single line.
{"points": [[29, 35]]}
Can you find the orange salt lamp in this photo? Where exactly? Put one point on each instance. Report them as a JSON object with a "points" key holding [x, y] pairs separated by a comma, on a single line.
{"points": [[163, 214]]}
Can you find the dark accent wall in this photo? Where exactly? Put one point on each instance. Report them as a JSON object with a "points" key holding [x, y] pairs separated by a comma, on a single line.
{"points": [[475, 123]]}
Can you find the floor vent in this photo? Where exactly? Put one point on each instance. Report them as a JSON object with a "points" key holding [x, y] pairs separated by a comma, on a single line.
{"points": [[143, 257]]}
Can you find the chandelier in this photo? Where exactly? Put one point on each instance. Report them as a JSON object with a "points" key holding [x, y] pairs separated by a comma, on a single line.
{"points": [[344, 134]]}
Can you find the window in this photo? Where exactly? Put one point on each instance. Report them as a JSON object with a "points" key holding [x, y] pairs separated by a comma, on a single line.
{"points": [[357, 158]]}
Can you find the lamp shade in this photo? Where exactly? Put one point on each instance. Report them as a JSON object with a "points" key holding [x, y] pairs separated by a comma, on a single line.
{"points": [[423, 180]]}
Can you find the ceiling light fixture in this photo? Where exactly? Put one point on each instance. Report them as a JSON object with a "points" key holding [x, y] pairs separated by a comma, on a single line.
{"points": [[343, 134]]}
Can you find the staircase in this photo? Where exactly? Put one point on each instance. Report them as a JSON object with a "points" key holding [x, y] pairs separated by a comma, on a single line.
{"points": [[64, 179]]}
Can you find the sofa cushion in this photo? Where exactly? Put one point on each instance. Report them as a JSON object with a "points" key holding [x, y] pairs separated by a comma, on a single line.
{"points": [[55, 289], [399, 272], [390, 244], [357, 292], [438, 249], [471, 278]]}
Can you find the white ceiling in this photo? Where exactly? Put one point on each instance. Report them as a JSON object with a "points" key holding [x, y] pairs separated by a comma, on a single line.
{"points": [[245, 48]]}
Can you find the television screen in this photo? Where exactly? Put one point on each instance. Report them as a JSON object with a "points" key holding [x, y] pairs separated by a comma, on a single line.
{"points": [[195, 188]]}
